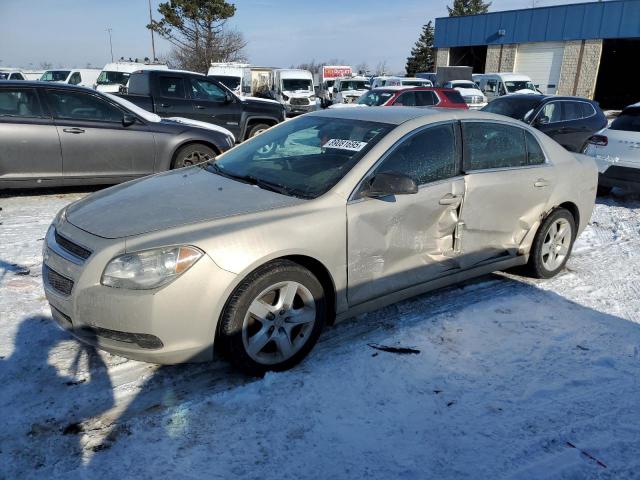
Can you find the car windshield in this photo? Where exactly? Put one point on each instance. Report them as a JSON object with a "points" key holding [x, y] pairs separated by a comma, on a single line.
{"points": [[55, 75], [330, 83], [515, 85], [228, 81], [354, 85], [4, 75], [374, 98], [416, 83], [463, 85], [628, 120], [292, 84], [513, 107], [113, 78], [304, 157]]}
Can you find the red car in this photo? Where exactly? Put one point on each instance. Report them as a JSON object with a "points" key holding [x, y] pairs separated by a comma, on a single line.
{"points": [[413, 97]]}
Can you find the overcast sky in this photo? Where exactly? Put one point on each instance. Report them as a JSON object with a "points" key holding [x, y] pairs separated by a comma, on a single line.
{"points": [[279, 32]]}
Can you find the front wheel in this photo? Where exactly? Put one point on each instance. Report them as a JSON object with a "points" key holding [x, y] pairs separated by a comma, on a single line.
{"points": [[552, 244], [273, 318], [257, 129], [193, 154]]}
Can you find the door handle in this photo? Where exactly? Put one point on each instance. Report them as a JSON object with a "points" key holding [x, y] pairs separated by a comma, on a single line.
{"points": [[450, 199], [73, 130], [200, 107], [541, 183], [165, 105]]}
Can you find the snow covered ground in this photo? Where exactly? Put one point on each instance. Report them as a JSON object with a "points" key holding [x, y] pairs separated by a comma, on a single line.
{"points": [[515, 379]]}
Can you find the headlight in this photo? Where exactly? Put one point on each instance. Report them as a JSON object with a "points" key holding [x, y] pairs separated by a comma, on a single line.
{"points": [[150, 268], [312, 98], [60, 217]]}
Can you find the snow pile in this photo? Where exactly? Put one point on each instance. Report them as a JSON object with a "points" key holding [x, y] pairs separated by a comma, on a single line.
{"points": [[515, 379]]}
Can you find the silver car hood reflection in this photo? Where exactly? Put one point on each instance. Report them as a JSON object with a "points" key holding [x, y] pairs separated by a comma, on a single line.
{"points": [[137, 207]]}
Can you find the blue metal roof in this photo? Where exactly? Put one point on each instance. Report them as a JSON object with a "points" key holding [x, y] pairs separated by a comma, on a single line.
{"points": [[579, 21]]}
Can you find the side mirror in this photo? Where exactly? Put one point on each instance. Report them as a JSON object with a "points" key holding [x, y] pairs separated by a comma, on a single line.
{"points": [[228, 98], [390, 183], [128, 120]]}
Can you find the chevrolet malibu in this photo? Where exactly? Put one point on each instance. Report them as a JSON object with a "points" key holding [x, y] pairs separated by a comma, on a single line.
{"points": [[318, 219]]}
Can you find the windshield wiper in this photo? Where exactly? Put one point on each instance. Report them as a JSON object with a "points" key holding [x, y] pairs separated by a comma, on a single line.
{"points": [[258, 182]]}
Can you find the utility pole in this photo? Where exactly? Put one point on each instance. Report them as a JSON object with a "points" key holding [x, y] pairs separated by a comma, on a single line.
{"points": [[153, 43], [110, 43]]}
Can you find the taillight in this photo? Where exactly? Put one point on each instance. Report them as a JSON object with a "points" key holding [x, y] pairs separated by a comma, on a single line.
{"points": [[600, 140]]}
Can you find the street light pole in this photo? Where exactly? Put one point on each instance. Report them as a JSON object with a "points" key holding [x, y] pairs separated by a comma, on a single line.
{"points": [[110, 43], [153, 44]]}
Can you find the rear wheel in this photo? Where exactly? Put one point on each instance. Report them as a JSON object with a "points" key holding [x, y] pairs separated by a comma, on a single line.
{"points": [[552, 244], [192, 155], [274, 318]]}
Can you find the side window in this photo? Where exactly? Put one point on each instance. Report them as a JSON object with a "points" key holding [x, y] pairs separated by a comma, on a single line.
{"points": [[491, 86], [535, 155], [407, 99], [171, 87], [491, 145], [587, 109], [204, 90], [19, 102], [551, 111], [82, 106], [426, 98], [427, 156], [75, 78], [501, 90], [571, 111], [16, 76]]}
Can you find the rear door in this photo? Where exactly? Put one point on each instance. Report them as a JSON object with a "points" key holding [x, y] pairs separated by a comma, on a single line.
{"points": [[96, 146], [211, 104], [508, 183], [404, 240], [170, 96], [29, 144]]}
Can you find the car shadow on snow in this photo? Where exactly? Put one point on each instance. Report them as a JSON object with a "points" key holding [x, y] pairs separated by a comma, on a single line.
{"points": [[508, 351]]}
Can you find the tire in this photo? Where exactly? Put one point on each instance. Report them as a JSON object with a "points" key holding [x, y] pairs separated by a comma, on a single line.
{"points": [[550, 252], [258, 332], [193, 154], [257, 129], [603, 190]]}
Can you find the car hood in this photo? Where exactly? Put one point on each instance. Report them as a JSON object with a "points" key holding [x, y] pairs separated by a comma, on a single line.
{"points": [[198, 124], [468, 92], [180, 197]]}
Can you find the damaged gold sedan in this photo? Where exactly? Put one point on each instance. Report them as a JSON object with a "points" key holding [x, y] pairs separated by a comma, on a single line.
{"points": [[318, 219]]}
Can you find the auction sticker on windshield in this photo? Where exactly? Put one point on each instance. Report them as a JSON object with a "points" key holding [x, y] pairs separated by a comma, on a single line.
{"points": [[352, 145]]}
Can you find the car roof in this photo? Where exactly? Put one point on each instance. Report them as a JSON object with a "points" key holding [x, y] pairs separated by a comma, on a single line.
{"points": [[38, 83], [398, 115]]}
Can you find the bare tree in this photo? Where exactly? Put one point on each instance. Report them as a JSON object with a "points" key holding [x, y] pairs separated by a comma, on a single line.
{"points": [[381, 68], [362, 68], [197, 30]]}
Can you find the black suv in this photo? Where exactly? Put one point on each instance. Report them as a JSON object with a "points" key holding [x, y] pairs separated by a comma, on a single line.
{"points": [[570, 121]]}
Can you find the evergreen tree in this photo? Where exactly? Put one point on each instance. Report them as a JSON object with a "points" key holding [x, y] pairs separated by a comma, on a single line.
{"points": [[423, 55], [461, 8]]}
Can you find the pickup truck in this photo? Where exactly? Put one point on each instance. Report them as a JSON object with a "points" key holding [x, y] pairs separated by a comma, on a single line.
{"points": [[171, 93]]}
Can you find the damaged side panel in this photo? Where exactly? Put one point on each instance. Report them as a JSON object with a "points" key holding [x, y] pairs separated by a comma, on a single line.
{"points": [[400, 241]]}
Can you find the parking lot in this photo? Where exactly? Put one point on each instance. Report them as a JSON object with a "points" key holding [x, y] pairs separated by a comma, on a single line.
{"points": [[513, 378]]}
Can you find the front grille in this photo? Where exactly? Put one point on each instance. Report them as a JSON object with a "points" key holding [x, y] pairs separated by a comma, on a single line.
{"points": [[472, 99], [299, 101], [72, 248], [56, 281], [143, 340], [351, 99]]}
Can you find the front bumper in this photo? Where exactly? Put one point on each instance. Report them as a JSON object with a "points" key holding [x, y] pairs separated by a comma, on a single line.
{"points": [[618, 176], [175, 323], [299, 109]]}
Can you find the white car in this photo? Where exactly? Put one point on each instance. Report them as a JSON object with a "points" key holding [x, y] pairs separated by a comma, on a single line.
{"points": [[470, 92], [350, 89], [616, 150]]}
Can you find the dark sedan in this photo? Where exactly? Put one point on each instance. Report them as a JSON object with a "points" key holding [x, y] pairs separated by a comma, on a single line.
{"points": [[570, 121], [54, 135]]}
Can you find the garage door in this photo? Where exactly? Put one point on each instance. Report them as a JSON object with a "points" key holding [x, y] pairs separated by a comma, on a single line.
{"points": [[542, 63]]}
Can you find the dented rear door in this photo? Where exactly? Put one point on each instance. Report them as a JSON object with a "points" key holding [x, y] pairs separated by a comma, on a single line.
{"points": [[399, 241]]}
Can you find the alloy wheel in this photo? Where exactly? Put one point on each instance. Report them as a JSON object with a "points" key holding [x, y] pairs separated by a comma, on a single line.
{"points": [[557, 242]]}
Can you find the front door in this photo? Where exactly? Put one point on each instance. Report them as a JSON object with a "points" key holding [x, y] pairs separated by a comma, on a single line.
{"points": [[170, 97], [399, 241], [213, 105], [30, 148], [508, 183], [96, 146]]}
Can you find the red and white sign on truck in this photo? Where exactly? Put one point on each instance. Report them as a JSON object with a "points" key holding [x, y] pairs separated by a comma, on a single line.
{"points": [[329, 75]]}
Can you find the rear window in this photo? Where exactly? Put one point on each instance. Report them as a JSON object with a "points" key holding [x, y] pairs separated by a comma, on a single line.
{"points": [[453, 96], [628, 120], [517, 107]]}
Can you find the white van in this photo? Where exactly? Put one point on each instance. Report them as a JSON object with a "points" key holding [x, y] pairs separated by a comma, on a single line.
{"points": [[230, 74], [294, 89], [85, 77], [494, 85], [115, 75], [350, 89], [400, 82], [12, 74]]}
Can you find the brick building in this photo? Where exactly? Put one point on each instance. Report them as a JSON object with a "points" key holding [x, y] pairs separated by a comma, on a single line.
{"points": [[584, 49]]}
